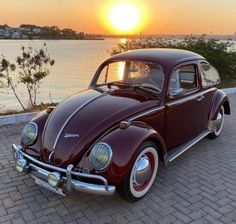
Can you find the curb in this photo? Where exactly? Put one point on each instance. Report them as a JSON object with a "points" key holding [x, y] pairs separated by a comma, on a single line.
{"points": [[18, 118], [230, 90]]}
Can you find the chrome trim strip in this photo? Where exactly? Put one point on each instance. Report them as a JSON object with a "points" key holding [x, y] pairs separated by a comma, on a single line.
{"points": [[204, 134], [185, 99], [50, 157], [146, 113], [71, 116]]}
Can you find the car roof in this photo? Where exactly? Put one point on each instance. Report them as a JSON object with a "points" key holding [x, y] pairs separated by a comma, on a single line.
{"points": [[166, 57]]}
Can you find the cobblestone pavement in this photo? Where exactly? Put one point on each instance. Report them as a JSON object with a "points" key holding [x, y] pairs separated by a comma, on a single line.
{"points": [[198, 187]]}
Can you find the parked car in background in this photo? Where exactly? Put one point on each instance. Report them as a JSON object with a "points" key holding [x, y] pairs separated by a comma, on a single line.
{"points": [[142, 107]]}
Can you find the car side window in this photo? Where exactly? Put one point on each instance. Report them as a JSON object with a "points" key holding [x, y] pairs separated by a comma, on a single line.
{"points": [[183, 80], [209, 75]]}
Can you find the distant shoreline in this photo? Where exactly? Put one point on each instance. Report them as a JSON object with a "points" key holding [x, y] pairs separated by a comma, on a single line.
{"points": [[34, 32], [51, 39]]}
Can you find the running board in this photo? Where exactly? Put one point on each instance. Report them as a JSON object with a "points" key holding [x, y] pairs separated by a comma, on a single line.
{"points": [[177, 151]]}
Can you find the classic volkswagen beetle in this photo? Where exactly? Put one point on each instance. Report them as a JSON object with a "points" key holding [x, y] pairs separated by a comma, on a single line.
{"points": [[142, 107]]}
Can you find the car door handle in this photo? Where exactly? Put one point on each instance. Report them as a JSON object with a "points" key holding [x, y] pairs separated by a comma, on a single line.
{"points": [[200, 98]]}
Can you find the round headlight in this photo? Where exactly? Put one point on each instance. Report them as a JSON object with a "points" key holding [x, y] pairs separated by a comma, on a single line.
{"points": [[54, 179], [100, 156], [30, 133]]}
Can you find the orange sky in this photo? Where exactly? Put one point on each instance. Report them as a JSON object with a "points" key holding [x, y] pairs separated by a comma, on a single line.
{"points": [[158, 16]]}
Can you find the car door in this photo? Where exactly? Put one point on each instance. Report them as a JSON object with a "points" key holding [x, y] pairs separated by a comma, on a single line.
{"points": [[184, 105]]}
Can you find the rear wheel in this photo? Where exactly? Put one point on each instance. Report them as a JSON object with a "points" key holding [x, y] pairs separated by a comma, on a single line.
{"points": [[219, 124], [142, 174]]}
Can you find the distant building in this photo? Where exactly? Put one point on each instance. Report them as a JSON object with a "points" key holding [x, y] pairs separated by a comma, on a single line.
{"points": [[2, 32], [36, 30], [81, 35], [28, 31], [7, 32], [23, 29], [16, 34]]}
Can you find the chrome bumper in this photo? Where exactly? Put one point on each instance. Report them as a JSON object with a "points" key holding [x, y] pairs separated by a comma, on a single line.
{"points": [[40, 170]]}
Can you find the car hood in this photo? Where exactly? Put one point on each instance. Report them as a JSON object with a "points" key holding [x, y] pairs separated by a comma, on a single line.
{"points": [[78, 121]]}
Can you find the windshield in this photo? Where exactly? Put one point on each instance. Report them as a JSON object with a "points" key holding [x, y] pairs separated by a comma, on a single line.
{"points": [[132, 73]]}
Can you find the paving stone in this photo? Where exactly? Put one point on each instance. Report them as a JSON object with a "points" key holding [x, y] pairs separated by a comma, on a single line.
{"points": [[56, 219], [2, 210], [18, 221], [28, 215], [8, 202], [197, 188]]}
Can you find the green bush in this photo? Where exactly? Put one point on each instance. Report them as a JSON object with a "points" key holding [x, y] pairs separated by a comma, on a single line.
{"points": [[218, 53], [31, 67]]}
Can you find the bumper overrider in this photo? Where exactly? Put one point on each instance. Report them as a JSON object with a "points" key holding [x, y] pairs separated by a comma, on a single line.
{"points": [[57, 179]]}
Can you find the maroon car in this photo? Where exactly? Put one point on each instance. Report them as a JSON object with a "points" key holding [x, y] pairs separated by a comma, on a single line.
{"points": [[142, 107]]}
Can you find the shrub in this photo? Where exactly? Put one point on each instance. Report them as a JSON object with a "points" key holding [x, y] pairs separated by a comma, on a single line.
{"points": [[31, 67], [7, 73]]}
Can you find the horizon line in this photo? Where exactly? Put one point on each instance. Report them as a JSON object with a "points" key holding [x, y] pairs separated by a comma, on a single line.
{"points": [[127, 34]]}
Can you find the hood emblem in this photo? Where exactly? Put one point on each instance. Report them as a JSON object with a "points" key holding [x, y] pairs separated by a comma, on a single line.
{"points": [[69, 135]]}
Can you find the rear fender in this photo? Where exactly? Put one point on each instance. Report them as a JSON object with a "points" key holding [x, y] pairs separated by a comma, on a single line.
{"points": [[220, 98], [125, 144]]}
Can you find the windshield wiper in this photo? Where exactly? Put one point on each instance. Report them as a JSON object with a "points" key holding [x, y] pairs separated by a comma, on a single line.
{"points": [[148, 87], [117, 84]]}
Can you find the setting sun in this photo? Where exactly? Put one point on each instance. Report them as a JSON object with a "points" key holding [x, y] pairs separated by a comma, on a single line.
{"points": [[124, 17]]}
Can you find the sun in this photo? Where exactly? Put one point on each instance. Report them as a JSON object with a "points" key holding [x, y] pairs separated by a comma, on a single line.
{"points": [[124, 17]]}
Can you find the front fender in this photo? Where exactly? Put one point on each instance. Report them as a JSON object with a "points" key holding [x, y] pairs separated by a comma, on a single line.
{"points": [[125, 144], [220, 98]]}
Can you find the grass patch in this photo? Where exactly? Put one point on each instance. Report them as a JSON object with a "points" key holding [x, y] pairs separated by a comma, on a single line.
{"points": [[38, 108]]}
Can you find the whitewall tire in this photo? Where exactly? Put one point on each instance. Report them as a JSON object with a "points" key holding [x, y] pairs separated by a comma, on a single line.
{"points": [[142, 174]]}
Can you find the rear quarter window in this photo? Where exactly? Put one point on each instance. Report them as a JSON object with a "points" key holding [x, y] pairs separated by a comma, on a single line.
{"points": [[183, 80], [209, 75]]}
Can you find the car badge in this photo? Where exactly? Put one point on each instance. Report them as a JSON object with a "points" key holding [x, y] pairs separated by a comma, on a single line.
{"points": [[69, 135]]}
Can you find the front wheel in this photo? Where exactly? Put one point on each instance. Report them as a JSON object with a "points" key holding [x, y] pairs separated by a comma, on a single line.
{"points": [[142, 174], [219, 124]]}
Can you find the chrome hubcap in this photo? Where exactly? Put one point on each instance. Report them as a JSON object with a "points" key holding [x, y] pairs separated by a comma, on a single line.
{"points": [[142, 171], [219, 121]]}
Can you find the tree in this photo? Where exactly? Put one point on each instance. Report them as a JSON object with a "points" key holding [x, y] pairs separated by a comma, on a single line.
{"points": [[32, 66], [7, 71], [218, 53]]}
